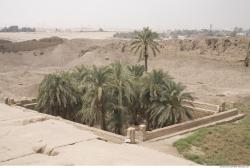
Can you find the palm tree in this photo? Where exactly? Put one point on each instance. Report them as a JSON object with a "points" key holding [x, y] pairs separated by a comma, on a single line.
{"points": [[58, 96], [133, 92], [94, 99], [80, 72], [169, 108], [151, 90], [117, 88], [144, 41], [246, 61], [136, 70]]}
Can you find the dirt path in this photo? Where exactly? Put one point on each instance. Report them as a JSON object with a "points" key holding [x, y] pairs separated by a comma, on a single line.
{"points": [[165, 145]]}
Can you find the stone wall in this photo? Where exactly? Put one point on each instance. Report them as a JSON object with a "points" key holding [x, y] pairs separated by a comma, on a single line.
{"points": [[216, 111], [147, 135], [201, 106]]}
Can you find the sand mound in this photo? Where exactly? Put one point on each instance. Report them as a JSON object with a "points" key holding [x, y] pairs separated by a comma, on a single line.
{"points": [[8, 46]]}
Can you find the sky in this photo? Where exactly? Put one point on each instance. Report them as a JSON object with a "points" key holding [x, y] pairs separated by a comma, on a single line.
{"points": [[126, 14]]}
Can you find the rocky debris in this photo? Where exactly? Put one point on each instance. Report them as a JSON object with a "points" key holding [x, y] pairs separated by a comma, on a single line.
{"points": [[43, 148], [34, 120], [226, 49], [220, 45]]}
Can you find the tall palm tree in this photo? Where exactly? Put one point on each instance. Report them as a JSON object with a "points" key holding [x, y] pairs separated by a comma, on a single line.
{"points": [[58, 96], [133, 92], [169, 109], [246, 61], [117, 87], [144, 41], [94, 99]]}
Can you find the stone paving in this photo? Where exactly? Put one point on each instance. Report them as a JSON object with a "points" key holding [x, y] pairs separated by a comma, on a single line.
{"points": [[29, 138]]}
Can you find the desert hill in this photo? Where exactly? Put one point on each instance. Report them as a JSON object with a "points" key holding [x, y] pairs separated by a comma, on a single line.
{"points": [[212, 68]]}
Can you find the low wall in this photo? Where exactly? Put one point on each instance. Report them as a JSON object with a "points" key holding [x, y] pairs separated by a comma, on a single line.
{"points": [[27, 103], [201, 106], [143, 135], [187, 125]]}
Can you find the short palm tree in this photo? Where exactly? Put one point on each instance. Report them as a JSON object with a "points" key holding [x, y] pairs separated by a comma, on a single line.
{"points": [[169, 109], [153, 83], [151, 90], [93, 109], [80, 72], [58, 96], [136, 70], [144, 41]]}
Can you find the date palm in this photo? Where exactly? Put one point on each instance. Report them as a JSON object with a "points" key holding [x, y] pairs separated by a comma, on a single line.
{"points": [[151, 90], [133, 92], [58, 96], [169, 109], [135, 71], [246, 61], [143, 42], [94, 99], [117, 88]]}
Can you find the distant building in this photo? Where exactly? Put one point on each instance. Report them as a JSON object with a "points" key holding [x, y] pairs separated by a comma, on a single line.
{"points": [[241, 34]]}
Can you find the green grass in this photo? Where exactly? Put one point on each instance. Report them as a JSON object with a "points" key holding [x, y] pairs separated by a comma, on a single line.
{"points": [[227, 144]]}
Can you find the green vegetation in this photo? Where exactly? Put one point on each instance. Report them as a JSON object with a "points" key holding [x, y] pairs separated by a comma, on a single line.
{"points": [[58, 96], [227, 144], [143, 41], [114, 97]]}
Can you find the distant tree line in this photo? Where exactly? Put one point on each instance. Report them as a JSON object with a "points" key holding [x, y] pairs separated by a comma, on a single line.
{"points": [[191, 33], [17, 29]]}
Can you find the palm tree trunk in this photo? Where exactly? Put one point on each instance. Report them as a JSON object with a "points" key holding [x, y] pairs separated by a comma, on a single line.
{"points": [[246, 61], [146, 58], [103, 122], [148, 126], [102, 118], [118, 122], [134, 117], [146, 64]]}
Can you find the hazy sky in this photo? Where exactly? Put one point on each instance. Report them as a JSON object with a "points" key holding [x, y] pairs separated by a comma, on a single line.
{"points": [[158, 14]]}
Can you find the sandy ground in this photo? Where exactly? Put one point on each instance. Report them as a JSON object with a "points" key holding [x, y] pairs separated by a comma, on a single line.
{"points": [[23, 36], [22, 133]]}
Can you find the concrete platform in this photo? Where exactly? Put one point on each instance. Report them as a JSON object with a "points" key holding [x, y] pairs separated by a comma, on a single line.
{"points": [[29, 138]]}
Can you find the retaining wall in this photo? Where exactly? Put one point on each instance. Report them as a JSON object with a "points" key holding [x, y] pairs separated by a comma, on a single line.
{"points": [[142, 134], [201, 106], [147, 135]]}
